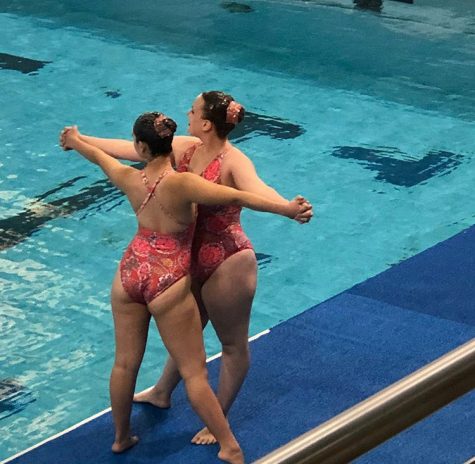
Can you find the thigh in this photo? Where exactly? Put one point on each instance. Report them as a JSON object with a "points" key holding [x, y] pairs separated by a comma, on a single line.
{"points": [[228, 294], [177, 317], [196, 291], [131, 322]]}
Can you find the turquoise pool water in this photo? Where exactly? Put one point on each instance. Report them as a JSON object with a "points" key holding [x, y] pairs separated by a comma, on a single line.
{"points": [[370, 115]]}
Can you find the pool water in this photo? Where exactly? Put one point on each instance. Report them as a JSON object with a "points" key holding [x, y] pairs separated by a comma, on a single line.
{"points": [[369, 115]]}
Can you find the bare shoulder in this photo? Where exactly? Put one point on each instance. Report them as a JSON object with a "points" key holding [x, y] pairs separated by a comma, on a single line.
{"points": [[184, 141], [236, 159], [176, 180], [127, 178], [128, 173], [178, 189], [171, 181], [181, 143]]}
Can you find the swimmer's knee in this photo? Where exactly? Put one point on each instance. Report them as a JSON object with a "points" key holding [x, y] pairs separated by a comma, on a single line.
{"points": [[197, 373], [127, 365], [240, 349]]}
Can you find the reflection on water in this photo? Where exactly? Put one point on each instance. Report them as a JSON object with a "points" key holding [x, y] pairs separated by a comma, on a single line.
{"points": [[235, 7], [401, 172], [21, 64], [14, 397], [374, 5], [15, 229], [270, 126]]}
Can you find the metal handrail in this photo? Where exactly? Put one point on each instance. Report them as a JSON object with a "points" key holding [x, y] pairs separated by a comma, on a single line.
{"points": [[388, 412]]}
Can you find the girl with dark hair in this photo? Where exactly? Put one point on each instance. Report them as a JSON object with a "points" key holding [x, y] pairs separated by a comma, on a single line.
{"points": [[224, 267], [153, 276]]}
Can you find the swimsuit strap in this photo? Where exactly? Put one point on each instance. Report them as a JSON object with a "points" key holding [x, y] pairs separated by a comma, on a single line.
{"points": [[219, 158], [221, 155], [188, 155], [186, 159], [216, 162], [144, 177], [145, 180], [151, 191]]}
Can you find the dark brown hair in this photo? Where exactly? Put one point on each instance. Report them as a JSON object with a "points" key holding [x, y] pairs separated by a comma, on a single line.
{"points": [[156, 133], [215, 110]]}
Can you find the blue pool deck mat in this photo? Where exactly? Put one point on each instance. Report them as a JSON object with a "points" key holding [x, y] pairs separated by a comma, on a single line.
{"points": [[316, 365]]}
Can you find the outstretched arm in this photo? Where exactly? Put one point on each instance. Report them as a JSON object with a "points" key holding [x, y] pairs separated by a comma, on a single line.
{"points": [[124, 149], [198, 190], [245, 178], [117, 148], [114, 170]]}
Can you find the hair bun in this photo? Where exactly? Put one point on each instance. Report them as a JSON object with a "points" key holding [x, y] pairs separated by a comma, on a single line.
{"points": [[165, 127], [233, 111], [170, 123]]}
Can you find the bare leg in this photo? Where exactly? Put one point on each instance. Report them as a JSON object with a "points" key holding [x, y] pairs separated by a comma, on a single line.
{"points": [[131, 321], [178, 321], [227, 296], [160, 394]]}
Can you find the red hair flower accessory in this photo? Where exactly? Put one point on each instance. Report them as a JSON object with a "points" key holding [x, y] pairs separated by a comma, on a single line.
{"points": [[232, 112]]}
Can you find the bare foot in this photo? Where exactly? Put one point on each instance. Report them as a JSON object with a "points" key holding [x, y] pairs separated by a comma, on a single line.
{"points": [[204, 437], [233, 456], [121, 446], [154, 397]]}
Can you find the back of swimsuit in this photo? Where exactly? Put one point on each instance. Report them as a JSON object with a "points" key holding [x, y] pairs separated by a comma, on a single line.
{"points": [[218, 233], [154, 261]]}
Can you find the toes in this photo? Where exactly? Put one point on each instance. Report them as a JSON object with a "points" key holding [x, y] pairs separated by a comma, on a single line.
{"points": [[204, 438]]}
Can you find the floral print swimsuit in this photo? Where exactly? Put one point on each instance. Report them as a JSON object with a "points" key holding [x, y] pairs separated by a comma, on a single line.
{"points": [[154, 261], [218, 233]]}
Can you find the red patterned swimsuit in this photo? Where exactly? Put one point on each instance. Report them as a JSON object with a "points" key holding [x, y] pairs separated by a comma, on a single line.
{"points": [[154, 261], [218, 233]]}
